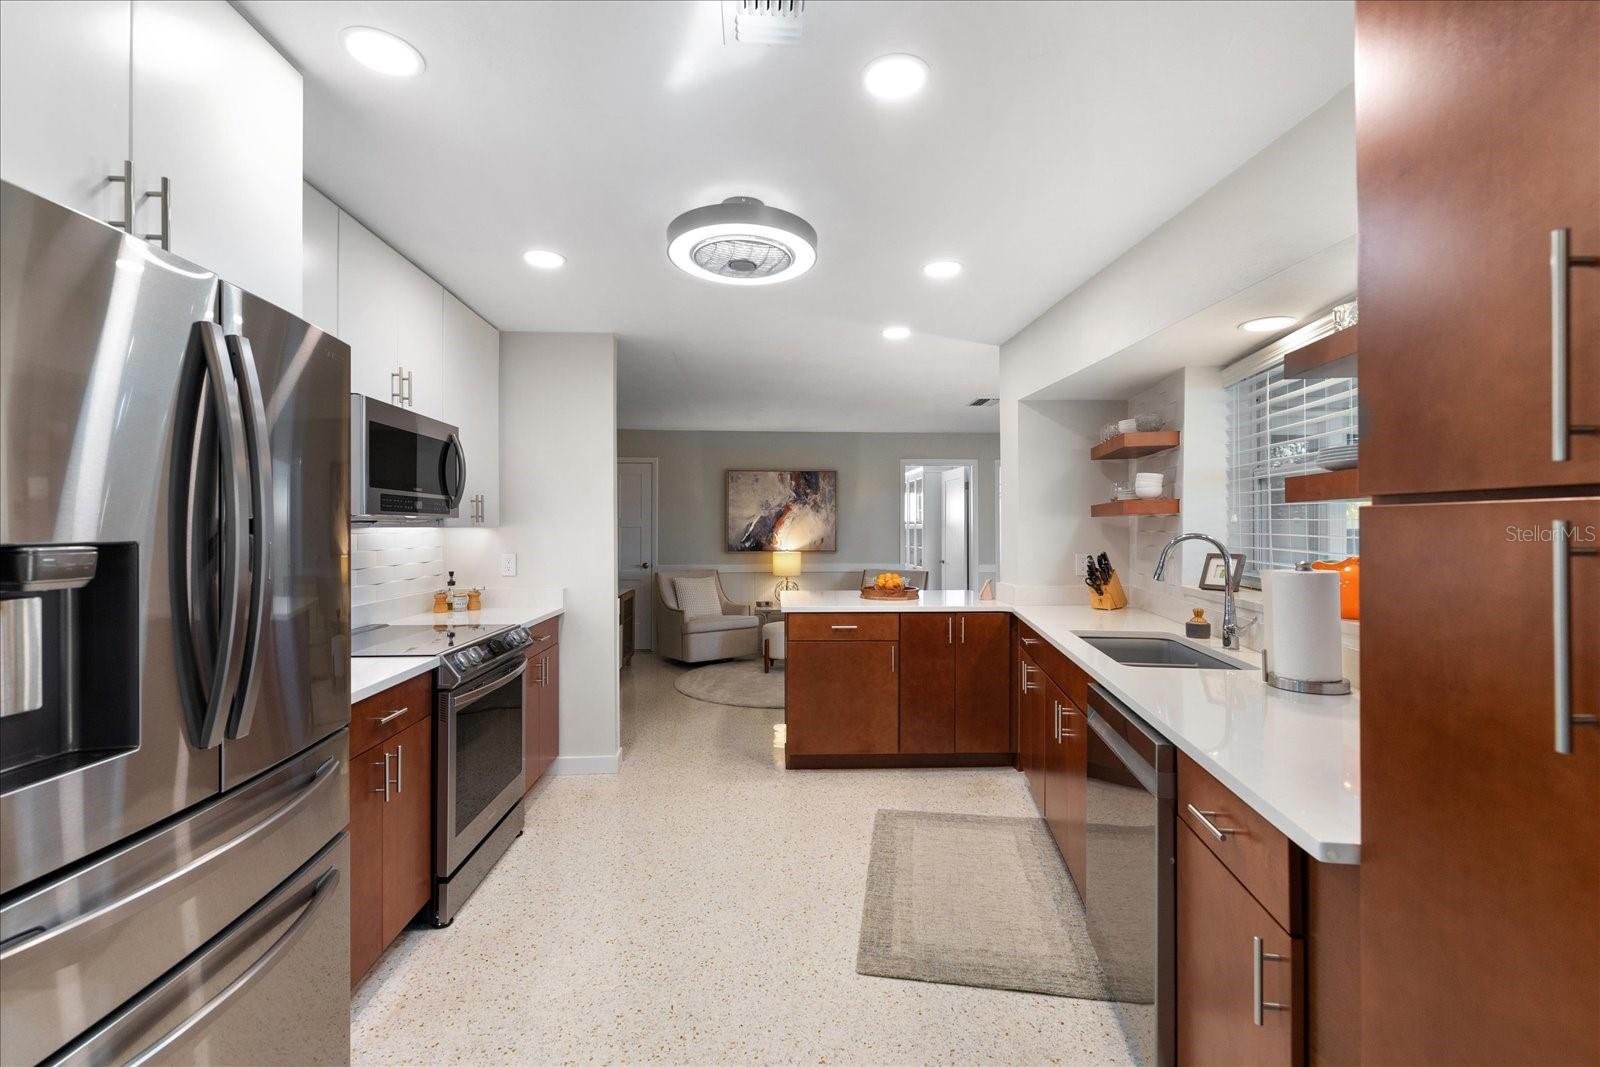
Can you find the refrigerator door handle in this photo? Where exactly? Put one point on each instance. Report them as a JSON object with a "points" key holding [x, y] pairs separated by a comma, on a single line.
{"points": [[209, 687], [320, 892], [258, 439]]}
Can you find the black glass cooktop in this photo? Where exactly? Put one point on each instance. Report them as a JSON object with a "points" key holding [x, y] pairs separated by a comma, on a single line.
{"points": [[418, 640]]}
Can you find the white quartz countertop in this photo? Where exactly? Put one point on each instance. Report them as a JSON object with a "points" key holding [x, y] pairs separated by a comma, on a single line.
{"points": [[1295, 759], [370, 675]]}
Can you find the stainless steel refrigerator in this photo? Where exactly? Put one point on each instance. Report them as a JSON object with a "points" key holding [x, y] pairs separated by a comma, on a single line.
{"points": [[174, 659]]}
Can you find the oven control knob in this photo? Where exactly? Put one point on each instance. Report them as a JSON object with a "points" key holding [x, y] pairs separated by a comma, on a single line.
{"points": [[499, 644], [475, 654]]}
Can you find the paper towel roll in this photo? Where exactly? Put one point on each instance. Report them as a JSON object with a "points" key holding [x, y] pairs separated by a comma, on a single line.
{"points": [[1302, 625]]}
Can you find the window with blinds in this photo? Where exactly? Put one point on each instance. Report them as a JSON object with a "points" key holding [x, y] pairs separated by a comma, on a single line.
{"points": [[1275, 427]]}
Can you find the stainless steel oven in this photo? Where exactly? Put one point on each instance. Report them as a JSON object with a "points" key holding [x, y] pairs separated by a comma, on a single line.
{"points": [[1130, 870], [404, 467], [478, 802]]}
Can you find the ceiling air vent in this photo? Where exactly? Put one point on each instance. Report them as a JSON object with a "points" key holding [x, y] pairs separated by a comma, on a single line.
{"points": [[762, 21], [984, 402]]}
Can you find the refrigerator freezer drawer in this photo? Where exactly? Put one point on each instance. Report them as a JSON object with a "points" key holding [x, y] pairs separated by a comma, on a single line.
{"points": [[76, 949], [272, 989]]}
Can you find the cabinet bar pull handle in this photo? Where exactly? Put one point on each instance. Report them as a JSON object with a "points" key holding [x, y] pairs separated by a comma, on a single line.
{"points": [[1260, 1005], [1561, 263], [892, 659], [843, 627], [395, 396], [1030, 641], [126, 178], [386, 783], [163, 236], [950, 631], [1026, 670], [384, 720], [408, 383], [1219, 832], [1057, 705], [1561, 580], [963, 629], [399, 769]]}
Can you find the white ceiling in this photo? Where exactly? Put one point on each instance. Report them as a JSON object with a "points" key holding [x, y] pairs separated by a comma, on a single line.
{"points": [[1050, 138]]}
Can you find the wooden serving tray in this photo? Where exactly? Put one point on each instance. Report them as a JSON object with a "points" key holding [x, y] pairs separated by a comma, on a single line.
{"points": [[870, 592]]}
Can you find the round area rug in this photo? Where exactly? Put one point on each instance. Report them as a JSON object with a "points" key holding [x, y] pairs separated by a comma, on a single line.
{"points": [[738, 682]]}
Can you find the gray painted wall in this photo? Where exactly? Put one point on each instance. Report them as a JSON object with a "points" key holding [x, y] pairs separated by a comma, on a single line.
{"points": [[691, 493]]}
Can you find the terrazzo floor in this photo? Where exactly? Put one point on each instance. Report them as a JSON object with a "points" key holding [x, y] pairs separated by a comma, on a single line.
{"points": [[701, 906]]}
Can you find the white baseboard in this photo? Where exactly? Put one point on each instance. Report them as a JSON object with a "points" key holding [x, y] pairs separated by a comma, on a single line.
{"points": [[587, 764]]}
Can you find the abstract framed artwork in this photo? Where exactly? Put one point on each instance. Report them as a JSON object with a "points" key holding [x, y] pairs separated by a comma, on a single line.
{"points": [[783, 511]]}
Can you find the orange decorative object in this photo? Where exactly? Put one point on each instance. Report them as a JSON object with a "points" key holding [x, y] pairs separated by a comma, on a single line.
{"points": [[1349, 584], [889, 582]]}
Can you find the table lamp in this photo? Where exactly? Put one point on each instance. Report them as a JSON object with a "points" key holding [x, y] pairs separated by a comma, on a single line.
{"points": [[785, 565]]}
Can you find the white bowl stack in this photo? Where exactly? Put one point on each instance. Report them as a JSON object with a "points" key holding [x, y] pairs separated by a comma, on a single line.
{"points": [[1147, 485]]}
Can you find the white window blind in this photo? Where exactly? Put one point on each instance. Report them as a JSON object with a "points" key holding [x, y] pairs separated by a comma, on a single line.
{"points": [[1275, 427]]}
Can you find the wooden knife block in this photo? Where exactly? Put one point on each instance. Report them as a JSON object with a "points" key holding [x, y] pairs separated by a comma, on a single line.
{"points": [[1113, 598]]}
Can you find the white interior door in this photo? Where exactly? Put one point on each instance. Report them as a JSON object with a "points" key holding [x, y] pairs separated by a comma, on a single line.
{"points": [[636, 543], [953, 549]]}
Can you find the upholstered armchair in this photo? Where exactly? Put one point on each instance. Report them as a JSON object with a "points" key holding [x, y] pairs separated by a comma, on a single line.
{"points": [[698, 638]]}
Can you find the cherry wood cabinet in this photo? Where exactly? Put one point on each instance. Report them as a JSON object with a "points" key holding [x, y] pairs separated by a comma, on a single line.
{"points": [[391, 829], [1476, 137], [1225, 938], [1074, 745], [541, 721], [408, 829], [842, 698], [1033, 725], [1480, 840], [983, 682], [927, 682], [955, 683]]}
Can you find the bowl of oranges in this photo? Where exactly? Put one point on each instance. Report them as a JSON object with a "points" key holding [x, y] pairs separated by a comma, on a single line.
{"points": [[888, 586]]}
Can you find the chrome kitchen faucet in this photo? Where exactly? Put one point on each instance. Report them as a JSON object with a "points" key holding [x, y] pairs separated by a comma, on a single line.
{"points": [[1230, 621]]}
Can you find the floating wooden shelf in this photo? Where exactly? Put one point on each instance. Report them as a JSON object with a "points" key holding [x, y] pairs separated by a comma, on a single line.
{"points": [[1134, 445], [1333, 356], [1113, 508], [1315, 488]]}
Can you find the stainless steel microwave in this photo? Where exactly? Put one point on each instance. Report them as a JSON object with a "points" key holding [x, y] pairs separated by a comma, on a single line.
{"points": [[404, 467]]}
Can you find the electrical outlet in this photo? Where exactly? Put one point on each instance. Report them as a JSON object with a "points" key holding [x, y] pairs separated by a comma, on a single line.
{"points": [[508, 564], [1080, 564]]}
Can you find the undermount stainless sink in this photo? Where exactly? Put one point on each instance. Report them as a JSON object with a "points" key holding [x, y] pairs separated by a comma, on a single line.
{"points": [[1156, 650]]}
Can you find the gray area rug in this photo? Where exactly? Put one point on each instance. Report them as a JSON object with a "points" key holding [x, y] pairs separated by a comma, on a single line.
{"points": [[975, 900], [738, 682]]}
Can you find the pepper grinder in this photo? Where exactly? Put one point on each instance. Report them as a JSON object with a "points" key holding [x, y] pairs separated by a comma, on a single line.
{"points": [[1198, 626]]}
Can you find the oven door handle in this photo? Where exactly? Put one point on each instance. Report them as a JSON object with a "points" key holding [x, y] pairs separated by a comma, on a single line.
{"points": [[460, 700]]}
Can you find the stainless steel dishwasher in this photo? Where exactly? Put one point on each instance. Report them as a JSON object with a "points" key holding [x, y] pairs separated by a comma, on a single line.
{"points": [[1130, 896]]}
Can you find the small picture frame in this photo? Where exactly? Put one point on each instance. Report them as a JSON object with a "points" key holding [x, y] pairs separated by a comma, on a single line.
{"points": [[1213, 574]]}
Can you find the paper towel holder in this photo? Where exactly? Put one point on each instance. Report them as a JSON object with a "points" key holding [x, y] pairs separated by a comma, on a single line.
{"points": [[1296, 685]]}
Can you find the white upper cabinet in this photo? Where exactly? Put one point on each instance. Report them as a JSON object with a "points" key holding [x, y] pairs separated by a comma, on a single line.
{"points": [[217, 112], [471, 386], [187, 91], [389, 315], [321, 221], [64, 101]]}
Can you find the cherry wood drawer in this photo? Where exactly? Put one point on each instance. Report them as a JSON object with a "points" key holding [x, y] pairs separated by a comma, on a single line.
{"points": [[544, 635], [374, 719], [844, 626], [1072, 679], [1259, 855]]}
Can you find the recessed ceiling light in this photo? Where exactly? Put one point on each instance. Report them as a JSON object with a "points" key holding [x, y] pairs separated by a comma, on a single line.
{"points": [[383, 52], [895, 77], [942, 268], [896, 333], [1270, 324], [741, 241], [538, 257]]}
